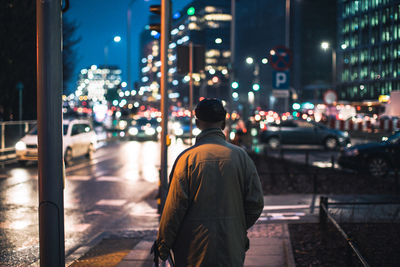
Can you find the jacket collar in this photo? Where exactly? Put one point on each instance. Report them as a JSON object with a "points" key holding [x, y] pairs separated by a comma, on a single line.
{"points": [[210, 133]]}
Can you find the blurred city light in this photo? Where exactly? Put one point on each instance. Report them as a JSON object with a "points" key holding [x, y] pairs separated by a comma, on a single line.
{"points": [[256, 87], [249, 60], [235, 85], [191, 11], [117, 39], [296, 106], [324, 45]]}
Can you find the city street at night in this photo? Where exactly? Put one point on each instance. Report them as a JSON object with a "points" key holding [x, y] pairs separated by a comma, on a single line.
{"points": [[116, 190], [283, 117]]}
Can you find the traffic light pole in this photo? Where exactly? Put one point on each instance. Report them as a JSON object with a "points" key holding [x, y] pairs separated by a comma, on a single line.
{"points": [[232, 65], [165, 32], [191, 90], [49, 121]]}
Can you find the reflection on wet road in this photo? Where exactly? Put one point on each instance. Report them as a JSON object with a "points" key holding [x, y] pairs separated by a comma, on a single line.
{"points": [[115, 190]]}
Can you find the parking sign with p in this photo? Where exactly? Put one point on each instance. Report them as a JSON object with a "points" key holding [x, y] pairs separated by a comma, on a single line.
{"points": [[280, 79]]}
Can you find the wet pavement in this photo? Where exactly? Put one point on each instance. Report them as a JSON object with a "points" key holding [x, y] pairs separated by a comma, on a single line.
{"points": [[103, 194], [112, 197]]}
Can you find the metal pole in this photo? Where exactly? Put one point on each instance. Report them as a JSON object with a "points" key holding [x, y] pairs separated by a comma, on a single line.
{"points": [[232, 65], [333, 68], [165, 30], [105, 54], [20, 110], [287, 42], [49, 110], [128, 44], [20, 103], [287, 24], [191, 90]]}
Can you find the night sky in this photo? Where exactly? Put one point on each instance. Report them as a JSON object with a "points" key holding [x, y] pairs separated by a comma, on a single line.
{"points": [[99, 21]]}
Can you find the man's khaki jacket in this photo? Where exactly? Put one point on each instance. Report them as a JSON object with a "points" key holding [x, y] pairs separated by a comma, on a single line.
{"points": [[215, 195]]}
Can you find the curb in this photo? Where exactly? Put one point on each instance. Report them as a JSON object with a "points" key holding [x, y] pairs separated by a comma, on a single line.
{"points": [[287, 249]]}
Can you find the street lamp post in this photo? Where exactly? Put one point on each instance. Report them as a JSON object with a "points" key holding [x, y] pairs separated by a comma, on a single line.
{"points": [[116, 39], [128, 44], [256, 75], [325, 46]]}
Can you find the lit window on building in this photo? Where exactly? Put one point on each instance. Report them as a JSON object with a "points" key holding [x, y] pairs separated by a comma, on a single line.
{"points": [[211, 61], [218, 17], [213, 53], [193, 26], [210, 9], [226, 54]]}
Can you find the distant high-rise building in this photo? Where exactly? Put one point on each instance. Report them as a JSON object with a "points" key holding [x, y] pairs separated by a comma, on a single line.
{"points": [[261, 26], [368, 52], [313, 22], [204, 23]]}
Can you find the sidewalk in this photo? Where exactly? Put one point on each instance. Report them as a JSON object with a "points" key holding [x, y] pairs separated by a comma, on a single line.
{"points": [[269, 246], [269, 237]]}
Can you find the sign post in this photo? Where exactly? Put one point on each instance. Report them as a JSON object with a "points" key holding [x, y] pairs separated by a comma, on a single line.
{"points": [[281, 59]]}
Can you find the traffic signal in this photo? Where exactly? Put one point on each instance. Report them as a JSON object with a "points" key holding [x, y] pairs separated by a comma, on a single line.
{"points": [[256, 87], [235, 85], [155, 9]]}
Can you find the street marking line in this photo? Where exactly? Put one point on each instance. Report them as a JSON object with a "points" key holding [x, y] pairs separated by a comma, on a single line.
{"points": [[78, 177], [109, 179], [282, 216], [111, 202], [87, 164], [80, 227], [286, 207], [18, 224]]}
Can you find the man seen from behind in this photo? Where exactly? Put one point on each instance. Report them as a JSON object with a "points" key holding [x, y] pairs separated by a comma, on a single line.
{"points": [[215, 196]]}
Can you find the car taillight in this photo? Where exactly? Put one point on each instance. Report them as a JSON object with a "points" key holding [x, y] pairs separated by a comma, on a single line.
{"points": [[263, 127]]}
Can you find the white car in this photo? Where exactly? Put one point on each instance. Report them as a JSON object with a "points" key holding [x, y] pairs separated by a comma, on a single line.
{"points": [[79, 139]]}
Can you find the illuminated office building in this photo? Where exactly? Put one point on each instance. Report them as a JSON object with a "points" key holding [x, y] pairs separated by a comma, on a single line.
{"points": [[368, 51], [95, 82], [204, 23]]}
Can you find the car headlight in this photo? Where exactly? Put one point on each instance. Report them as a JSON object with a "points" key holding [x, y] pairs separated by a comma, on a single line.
{"points": [[196, 131], [149, 131], [345, 134], [351, 152], [133, 131], [20, 145]]}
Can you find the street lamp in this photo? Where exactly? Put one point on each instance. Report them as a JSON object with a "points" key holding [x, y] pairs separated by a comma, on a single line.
{"points": [[115, 39], [325, 46], [256, 80], [249, 60]]}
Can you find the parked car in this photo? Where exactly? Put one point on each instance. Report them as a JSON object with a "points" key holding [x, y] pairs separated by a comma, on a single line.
{"points": [[302, 132], [375, 158], [181, 128], [79, 139], [144, 129]]}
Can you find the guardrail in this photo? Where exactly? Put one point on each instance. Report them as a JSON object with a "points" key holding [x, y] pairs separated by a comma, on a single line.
{"points": [[325, 216]]}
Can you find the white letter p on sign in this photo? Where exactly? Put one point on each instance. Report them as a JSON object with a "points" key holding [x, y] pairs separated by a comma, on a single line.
{"points": [[281, 78]]}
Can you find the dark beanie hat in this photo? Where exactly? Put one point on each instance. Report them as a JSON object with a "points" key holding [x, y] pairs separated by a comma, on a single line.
{"points": [[211, 110]]}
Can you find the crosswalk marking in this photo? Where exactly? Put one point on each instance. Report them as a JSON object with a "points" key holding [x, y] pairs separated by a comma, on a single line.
{"points": [[286, 207], [108, 179], [80, 227], [78, 177], [111, 202]]}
